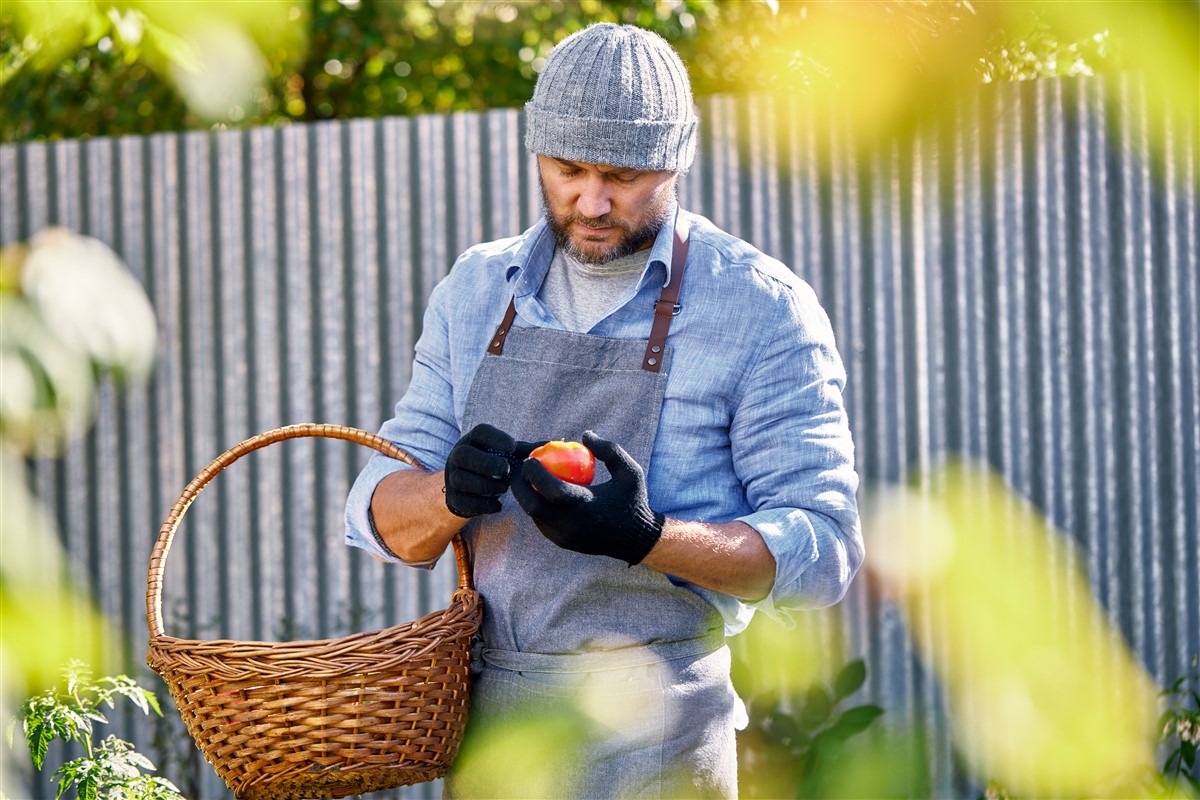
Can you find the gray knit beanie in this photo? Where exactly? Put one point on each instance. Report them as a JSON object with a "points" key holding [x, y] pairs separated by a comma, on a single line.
{"points": [[613, 94]]}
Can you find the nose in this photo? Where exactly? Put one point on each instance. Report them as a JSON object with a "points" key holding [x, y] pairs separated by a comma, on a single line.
{"points": [[594, 200]]}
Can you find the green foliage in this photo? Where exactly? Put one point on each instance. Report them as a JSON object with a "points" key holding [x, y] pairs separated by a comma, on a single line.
{"points": [[798, 745], [1037, 50], [1180, 738], [111, 67], [111, 768]]}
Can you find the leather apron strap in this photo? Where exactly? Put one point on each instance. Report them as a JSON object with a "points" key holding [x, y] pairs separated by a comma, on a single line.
{"points": [[668, 302], [664, 310]]}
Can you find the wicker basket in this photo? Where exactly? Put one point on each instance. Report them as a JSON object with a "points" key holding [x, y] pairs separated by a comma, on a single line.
{"points": [[326, 718]]}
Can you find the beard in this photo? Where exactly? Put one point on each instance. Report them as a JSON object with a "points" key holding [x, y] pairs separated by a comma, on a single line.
{"points": [[634, 237]]}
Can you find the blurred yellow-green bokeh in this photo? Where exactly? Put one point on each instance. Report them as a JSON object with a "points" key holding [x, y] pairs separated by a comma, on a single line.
{"points": [[1044, 695], [69, 311]]}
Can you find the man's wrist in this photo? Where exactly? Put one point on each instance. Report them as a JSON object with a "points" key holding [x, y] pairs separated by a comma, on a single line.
{"points": [[642, 535]]}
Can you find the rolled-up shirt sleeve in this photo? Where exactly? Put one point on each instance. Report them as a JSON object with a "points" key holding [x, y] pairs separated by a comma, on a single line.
{"points": [[793, 452]]}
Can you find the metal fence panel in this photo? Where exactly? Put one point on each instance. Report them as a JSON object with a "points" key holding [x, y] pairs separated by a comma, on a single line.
{"points": [[1018, 283]]}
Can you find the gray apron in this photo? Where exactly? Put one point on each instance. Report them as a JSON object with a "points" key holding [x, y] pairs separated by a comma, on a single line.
{"points": [[616, 676]]}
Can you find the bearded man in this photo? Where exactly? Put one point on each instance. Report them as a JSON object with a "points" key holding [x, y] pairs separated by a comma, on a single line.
{"points": [[704, 376]]}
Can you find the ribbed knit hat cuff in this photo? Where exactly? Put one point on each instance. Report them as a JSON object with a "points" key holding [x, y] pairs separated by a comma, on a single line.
{"points": [[634, 144]]}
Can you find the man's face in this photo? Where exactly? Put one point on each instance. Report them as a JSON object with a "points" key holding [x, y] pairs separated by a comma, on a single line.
{"points": [[600, 213]]}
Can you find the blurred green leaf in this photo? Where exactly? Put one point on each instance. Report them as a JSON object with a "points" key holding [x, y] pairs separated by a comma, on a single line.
{"points": [[850, 679], [853, 721], [782, 728], [818, 704]]}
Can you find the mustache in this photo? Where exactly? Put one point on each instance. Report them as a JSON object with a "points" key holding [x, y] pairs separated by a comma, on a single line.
{"points": [[605, 221]]}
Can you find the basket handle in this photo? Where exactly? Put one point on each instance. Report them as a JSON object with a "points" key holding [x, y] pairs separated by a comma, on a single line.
{"points": [[158, 557]]}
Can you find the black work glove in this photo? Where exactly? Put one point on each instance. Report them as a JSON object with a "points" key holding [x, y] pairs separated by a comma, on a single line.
{"points": [[613, 519], [479, 469]]}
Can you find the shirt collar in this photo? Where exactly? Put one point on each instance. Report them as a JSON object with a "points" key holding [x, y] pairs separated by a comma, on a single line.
{"points": [[664, 244], [530, 264]]}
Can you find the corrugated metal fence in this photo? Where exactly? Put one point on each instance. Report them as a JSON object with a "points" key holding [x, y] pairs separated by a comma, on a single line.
{"points": [[1019, 284]]}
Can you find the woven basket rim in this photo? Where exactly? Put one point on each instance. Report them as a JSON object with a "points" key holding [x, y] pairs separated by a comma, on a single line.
{"points": [[430, 620], [377, 652]]}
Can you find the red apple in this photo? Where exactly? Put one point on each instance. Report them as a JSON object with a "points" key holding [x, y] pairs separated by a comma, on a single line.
{"points": [[568, 461]]}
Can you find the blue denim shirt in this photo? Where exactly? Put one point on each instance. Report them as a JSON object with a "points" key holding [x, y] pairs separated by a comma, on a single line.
{"points": [[753, 426]]}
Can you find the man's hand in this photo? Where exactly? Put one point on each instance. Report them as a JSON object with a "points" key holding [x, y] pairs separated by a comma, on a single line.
{"points": [[612, 519], [479, 469]]}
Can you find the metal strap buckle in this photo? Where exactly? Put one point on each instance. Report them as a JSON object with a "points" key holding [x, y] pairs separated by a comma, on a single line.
{"points": [[674, 311]]}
